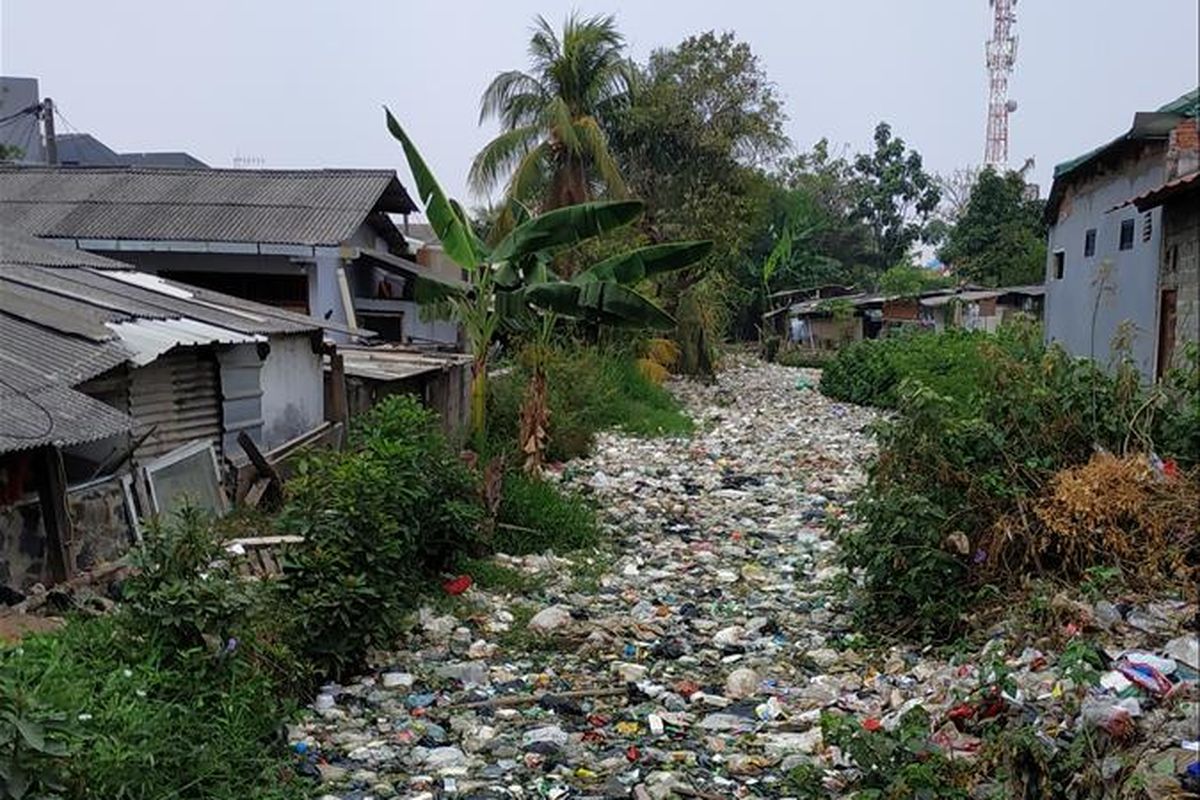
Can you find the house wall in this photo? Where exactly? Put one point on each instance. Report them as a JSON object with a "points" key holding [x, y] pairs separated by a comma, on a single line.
{"points": [[1180, 268], [293, 389], [101, 532], [1116, 286]]}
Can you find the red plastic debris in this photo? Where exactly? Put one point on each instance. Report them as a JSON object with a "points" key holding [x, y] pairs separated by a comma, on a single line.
{"points": [[872, 724], [962, 711], [1170, 468], [1145, 676], [632, 753], [456, 586]]}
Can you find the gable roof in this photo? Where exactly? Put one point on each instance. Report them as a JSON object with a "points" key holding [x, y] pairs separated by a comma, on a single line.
{"points": [[303, 207], [67, 315], [1147, 126]]}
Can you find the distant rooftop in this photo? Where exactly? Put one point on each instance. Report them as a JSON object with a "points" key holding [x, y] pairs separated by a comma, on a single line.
{"points": [[85, 150]]}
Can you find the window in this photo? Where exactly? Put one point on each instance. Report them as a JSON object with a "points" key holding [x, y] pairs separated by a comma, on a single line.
{"points": [[1060, 262], [1147, 227], [1126, 234], [1089, 243]]}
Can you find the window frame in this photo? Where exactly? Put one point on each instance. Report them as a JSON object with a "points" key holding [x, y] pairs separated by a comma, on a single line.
{"points": [[1060, 264], [1089, 243], [1127, 225]]}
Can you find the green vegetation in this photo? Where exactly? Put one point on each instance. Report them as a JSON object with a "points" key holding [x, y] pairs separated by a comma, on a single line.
{"points": [[396, 506], [1000, 238], [179, 694], [552, 148], [536, 516], [589, 389], [952, 363], [184, 691], [967, 489]]}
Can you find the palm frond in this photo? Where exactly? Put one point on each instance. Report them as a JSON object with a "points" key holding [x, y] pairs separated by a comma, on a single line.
{"points": [[595, 149], [500, 157], [504, 89]]}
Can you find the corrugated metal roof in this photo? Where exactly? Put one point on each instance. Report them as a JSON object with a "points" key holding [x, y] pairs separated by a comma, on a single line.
{"points": [[393, 364], [67, 316], [964, 297], [1159, 195], [147, 339], [307, 207]]}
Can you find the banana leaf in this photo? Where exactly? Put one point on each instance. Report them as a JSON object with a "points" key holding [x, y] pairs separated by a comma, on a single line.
{"points": [[566, 226], [458, 241], [601, 301], [644, 262], [431, 290]]}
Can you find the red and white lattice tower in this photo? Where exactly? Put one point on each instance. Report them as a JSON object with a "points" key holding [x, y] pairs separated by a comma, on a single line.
{"points": [[1001, 58]]}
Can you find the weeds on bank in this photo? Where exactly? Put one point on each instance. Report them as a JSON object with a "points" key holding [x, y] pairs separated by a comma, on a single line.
{"points": [[1011, 460]]}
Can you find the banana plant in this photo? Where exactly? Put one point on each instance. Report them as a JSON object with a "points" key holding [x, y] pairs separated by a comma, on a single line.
{"points": [[514, 277]]}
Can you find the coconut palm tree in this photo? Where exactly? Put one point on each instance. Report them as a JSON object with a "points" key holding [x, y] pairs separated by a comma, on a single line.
{"points": [[552, 150]]}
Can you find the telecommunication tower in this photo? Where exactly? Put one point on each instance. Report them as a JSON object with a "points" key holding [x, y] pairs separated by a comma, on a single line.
{"points": [[1001, 58]]}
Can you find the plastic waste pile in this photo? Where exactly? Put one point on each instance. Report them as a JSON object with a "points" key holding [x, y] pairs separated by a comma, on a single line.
{"points": [[694, 655]]}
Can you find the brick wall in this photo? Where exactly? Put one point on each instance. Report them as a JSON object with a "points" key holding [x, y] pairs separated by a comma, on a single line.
{"points": [[1180, 267], [1183, 149]]}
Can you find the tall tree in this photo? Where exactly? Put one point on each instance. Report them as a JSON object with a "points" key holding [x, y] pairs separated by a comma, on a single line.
{"points": [[1000, 239], [552, 150], [704, 122], [896, 197]]}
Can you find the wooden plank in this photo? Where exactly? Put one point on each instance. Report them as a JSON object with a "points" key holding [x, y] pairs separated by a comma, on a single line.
{"points": [[264, 467], [256, 492], [56, 516]]}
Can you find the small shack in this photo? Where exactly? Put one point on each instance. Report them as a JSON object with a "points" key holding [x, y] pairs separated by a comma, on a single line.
{"points": [[120, 390], [441, 380]]}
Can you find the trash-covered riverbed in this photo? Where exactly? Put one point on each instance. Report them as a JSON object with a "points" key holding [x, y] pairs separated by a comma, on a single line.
{"points": [[693, 655]]}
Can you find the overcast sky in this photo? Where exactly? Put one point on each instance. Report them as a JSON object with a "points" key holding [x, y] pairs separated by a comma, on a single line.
{"points": [[300, 83]]}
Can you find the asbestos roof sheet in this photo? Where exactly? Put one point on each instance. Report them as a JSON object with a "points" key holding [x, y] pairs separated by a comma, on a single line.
{"points": [[305, 207], [55, 415]]}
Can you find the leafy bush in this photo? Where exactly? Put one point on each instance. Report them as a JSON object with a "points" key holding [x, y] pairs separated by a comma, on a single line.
{"points": [[958, 473], [536, 515], [869, 372], [590, 389], [395, 507], [178, 694]]}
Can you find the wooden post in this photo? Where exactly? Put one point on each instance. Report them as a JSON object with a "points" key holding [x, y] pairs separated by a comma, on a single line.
{"points": [[338, 411], [56, 517]]}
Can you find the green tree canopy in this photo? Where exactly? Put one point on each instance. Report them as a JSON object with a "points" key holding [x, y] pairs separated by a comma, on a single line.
{"points": [[999, 240], [704, 121], [553, 151], [895, 196]]}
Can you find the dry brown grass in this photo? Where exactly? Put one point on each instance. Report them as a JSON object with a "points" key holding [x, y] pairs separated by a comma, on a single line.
{"points": [[1112, 511]]}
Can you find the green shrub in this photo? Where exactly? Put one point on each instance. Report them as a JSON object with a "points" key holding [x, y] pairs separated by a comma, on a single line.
{"points": [[536, 515], [590, 389], [955, 470], [178, 694], [869, 372], [146, 723], [378, 519]]}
